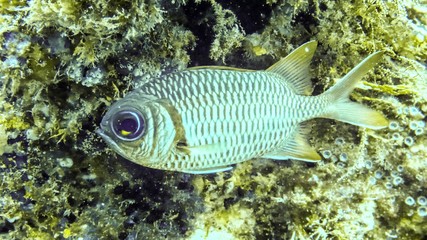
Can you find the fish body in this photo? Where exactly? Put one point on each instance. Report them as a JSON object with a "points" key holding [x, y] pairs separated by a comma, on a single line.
{"points": [[202, 120]]}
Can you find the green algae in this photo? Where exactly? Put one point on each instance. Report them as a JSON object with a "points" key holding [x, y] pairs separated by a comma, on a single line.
{"points": [[63, 62]]}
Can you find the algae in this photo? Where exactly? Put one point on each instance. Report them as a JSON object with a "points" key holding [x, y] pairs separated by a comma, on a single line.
{"points": [[64, 62]]}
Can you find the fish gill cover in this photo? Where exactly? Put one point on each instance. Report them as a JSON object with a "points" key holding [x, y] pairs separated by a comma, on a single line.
{"points": [[64, 62]]}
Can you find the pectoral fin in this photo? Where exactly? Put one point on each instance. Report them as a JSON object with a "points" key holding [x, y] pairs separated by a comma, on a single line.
{"points": [[202, 149]]}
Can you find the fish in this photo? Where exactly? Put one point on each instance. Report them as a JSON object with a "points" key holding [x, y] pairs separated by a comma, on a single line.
{"points": [[206, 119]]}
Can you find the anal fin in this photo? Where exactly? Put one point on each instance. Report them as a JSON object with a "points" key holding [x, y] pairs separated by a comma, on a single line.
{"points": [[208, 170], [297, 148]]}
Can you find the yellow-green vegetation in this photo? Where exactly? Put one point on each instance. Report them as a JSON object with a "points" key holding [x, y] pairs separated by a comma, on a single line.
{"points": [[63, 62], [359, 190]]}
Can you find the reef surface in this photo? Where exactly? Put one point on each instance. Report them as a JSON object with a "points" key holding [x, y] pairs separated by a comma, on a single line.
{"points": [[64, 62]]}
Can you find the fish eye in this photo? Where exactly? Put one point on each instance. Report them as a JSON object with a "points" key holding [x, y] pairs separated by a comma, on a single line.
{"points": [[128, 125]]}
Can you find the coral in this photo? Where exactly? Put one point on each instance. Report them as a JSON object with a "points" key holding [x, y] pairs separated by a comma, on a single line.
{"points": [[63, 62], [228, 33]]}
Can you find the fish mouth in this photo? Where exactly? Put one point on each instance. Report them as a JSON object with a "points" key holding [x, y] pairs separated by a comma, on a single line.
{"points": [[101, 133], [104, 136], [110, 142]]}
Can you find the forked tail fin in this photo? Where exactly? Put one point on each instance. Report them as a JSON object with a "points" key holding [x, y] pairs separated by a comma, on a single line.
{"points": [[342, 109]]}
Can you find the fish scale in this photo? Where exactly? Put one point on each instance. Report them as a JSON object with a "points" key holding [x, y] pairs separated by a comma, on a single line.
{"points": [[204, 119], [246, 118]]}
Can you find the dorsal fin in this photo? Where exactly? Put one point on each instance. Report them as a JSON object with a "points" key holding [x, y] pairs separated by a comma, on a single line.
{"points": [[220, 68], [295, 67]]}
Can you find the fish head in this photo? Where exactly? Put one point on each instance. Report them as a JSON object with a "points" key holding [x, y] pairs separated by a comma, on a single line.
{"points": [[139, 128]]}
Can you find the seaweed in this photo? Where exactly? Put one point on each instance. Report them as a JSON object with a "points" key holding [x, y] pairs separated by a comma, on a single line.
{"points": [[62, 63]]}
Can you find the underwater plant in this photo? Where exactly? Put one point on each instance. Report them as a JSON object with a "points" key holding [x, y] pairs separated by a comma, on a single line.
{"points": [[63, 63]]}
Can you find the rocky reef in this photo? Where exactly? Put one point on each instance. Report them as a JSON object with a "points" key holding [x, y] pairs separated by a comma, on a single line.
{"points": [[64, 62]]}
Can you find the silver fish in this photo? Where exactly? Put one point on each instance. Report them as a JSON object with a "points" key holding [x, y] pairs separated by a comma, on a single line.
{"points": [[202, 120]]}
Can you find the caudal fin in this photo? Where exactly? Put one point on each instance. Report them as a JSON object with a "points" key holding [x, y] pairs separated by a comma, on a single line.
{"points": [[342, 109]]}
